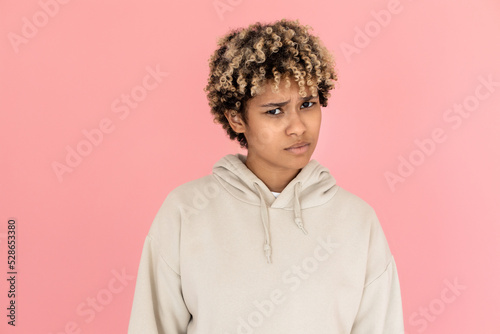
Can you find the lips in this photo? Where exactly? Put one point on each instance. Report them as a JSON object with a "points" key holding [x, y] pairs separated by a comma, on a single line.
{"points": [[297, 145]]}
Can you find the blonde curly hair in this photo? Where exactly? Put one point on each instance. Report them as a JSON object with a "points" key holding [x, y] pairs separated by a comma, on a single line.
{"points": [[247, 59]]}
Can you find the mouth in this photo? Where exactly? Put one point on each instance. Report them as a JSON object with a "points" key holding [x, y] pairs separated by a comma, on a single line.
{"points": [[298, 148], [300, 144]]}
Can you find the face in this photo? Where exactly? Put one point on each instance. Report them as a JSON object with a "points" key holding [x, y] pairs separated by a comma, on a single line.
{"points": [[275, 122]]}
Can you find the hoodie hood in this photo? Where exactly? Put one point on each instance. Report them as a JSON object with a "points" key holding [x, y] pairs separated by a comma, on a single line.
{"points": [[313, 186]]}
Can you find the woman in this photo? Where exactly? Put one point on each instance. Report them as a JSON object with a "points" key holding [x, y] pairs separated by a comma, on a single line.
{"points": [[267, 243]]}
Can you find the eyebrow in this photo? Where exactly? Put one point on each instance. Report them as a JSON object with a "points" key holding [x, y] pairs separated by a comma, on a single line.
{"points": [[281, 104]]}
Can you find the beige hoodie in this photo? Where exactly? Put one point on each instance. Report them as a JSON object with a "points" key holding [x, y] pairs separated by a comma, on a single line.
{"points": [[224, 256]]}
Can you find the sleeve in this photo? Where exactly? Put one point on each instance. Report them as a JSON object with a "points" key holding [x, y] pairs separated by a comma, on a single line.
{"points": [[158, 305], [380, 310]]}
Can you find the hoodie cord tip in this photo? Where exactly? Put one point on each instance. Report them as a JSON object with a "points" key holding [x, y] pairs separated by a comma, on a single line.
{"points": [[298, 221], [267, 250]]}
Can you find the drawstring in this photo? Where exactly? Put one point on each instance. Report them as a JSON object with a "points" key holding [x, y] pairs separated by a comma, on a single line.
{"points": [[265, 221], [298, 211], [265, 217]]}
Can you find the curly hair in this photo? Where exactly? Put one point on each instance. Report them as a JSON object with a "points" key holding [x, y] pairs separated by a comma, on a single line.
{"points": [[247, 59]]}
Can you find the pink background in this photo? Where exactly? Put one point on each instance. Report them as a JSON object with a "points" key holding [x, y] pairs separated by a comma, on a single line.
{"points": [[74, 233]]}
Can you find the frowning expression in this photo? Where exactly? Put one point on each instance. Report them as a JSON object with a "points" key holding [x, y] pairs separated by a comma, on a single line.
{"points": [[277, 121]]}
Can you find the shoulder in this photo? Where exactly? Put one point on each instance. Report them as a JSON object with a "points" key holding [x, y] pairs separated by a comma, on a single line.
{"points": [[165, 230], [188, 193], [193, 194], [352, 203], [359, 211], [364, 221]]}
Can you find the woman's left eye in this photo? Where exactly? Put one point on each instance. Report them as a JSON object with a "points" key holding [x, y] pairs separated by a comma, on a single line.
{"points": [[270, 112]]}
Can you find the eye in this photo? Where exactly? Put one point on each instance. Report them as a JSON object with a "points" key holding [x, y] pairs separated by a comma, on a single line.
{"points": [[270, 112], [312, 103]]}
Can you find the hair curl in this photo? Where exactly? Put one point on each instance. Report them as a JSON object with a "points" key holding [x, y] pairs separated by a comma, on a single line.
{"points": [[248, 58]]}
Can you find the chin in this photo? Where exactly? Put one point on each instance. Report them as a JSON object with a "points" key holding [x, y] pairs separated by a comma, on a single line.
{"points": [[297, 162]]}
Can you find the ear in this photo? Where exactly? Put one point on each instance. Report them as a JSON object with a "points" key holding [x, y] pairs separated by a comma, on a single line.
{"points": [[235, 121]]}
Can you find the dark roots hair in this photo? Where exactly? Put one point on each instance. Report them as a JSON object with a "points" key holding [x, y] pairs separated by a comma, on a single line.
{"points": [[248, 58]]}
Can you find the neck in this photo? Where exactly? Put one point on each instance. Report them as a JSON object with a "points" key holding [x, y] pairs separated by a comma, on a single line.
{"points": [[274, 177]]}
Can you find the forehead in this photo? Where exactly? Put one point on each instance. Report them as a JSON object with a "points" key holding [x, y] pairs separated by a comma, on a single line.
{"points": [[285, 91]]}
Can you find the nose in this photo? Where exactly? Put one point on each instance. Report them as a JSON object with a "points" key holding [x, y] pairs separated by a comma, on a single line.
{"points": [[295, 124]]}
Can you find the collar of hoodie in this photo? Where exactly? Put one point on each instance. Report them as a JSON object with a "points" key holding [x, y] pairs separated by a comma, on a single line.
{"points": [[313, 186]]}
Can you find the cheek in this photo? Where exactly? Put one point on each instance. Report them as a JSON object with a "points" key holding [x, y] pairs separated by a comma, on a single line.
{"points": [[314, 122], [267, 135], [263, 134]]}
